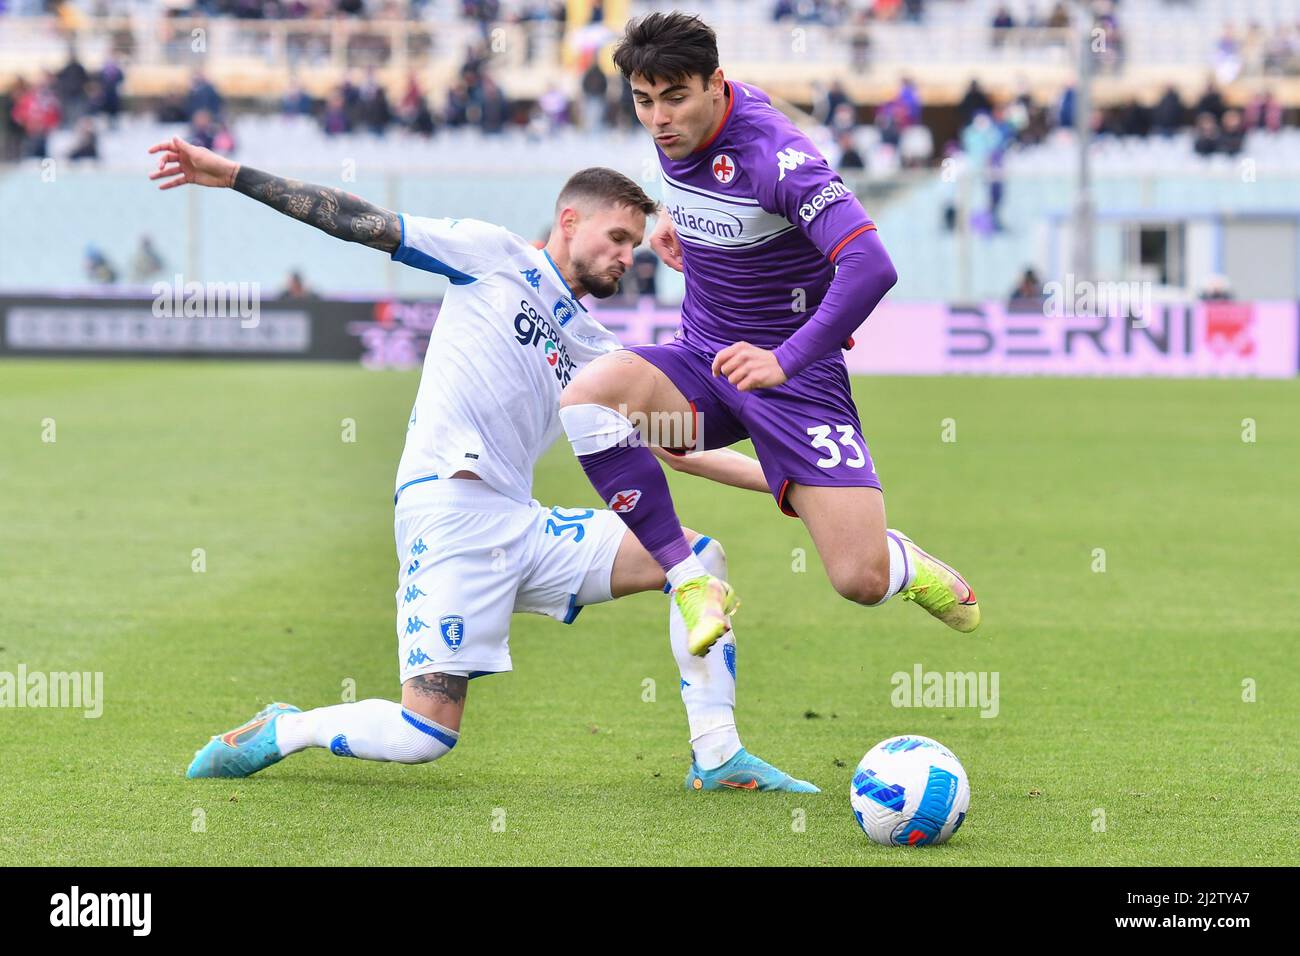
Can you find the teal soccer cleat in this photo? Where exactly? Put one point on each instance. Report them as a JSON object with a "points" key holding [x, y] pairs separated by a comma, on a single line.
{"points": [[744, 771], [243, 751]]}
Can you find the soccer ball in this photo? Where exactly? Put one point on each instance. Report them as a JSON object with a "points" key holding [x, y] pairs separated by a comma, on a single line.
{"points": [[909, 791]]}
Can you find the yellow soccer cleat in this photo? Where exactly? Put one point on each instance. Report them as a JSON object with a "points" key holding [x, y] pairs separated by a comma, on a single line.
{"points": [[705, 603], [939, 589]]}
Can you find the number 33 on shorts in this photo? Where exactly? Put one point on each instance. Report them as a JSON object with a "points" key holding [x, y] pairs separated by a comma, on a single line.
{"points": [[852, 454]]}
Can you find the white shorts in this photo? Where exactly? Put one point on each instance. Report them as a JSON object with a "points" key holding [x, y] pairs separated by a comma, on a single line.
{"points": [[469, 557]]}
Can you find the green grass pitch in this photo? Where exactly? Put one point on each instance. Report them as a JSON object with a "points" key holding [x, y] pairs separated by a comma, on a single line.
{"points": [[1121, 692]]}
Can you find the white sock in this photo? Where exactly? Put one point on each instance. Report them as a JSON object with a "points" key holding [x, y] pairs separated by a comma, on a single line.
{"points": [[901, 571], [709, 682], [593, 428], [370, 729], [683, 571]]}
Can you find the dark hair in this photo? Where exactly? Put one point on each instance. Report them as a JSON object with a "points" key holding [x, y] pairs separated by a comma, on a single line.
{"points": [[607, 187], [669, 46]]}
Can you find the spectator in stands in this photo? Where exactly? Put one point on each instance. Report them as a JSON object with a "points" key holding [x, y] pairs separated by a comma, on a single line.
{"points": [[1059, 18], [1264, 112], [98, 268], [1253, 46], [1227, 57], [828, 99], [494, 108], [909, 102], [554, 104], [1211, 100], [1216, 289], [335, 120], [1206, 142], [146, 263], [86, 145], [886, 122], [645, 270], [456, 113], [372, 105], [203, 131], [70, 87], [36, 111], [1002, 22], [595, 94], [850, 158], [1169, 115], [844, 119], [203, 96], [1279, 52], [109, 100], [1111, 54], [1232, 137], [974, 101], [296, 288], [1065, 108], [783, 10], [860, 46], [1028, 293], [297, 101]]}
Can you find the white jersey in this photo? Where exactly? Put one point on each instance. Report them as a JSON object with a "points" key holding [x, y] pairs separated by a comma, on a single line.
{"points": [[509, 336]]}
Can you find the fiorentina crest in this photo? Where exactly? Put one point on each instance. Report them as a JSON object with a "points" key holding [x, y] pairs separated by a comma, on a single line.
{"points": [[625, 501]]}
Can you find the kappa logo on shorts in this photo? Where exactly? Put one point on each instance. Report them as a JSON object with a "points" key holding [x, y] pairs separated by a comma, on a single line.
{"points": [[417, 657], [412, 593], [625, 501], [453, 630]]}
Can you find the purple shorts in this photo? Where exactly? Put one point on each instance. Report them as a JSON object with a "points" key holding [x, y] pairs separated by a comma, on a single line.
{"points": [[805, 432]]}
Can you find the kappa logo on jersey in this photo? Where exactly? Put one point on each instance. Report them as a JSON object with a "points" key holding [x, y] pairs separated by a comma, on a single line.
{"points": [[532, 328], [413, 625], [412, 593], [724, 170], [533, 277], [625, 501], [453, 630], [564, 310], [790, 159], [831, 192], [419, 547]]}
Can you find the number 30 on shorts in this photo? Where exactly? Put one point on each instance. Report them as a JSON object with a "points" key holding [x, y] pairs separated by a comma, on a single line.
{"points": [[821, 440]]}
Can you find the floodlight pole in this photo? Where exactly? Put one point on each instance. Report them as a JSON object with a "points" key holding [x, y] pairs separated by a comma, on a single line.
{"points": [[1083, 208]]}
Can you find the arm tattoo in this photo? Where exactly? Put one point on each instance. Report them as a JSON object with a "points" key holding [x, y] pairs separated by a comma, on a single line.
{"points": [[443, 688], [341, 215]]}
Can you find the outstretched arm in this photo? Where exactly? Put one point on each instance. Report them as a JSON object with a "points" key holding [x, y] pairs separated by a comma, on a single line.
{"points": [[333, 211], [722, 465]]}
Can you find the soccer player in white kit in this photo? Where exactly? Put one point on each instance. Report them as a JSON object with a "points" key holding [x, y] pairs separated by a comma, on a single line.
{"points": [[473, 546]]}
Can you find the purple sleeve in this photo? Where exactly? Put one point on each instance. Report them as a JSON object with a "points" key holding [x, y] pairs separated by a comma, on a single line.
{"points": [[863, 277], [796, 182]]}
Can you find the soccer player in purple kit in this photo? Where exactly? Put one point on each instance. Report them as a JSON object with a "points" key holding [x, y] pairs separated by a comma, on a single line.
{"points": [[781, 264]]}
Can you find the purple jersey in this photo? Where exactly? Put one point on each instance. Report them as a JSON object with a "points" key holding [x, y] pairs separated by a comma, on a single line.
{"points": [[761, 216]]}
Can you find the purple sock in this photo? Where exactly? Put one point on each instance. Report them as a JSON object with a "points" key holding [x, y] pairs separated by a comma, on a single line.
{"points": [[634, 487]]}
